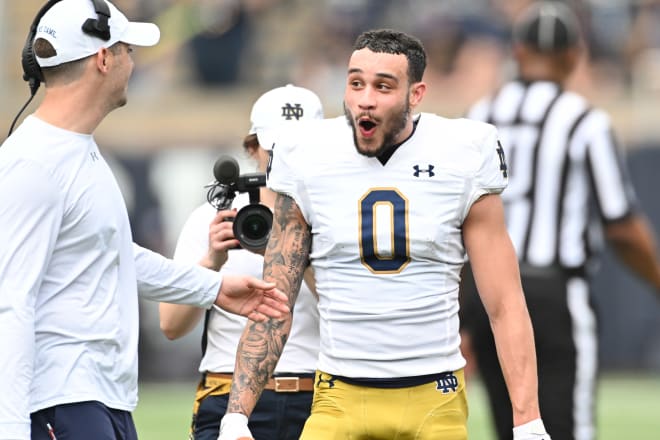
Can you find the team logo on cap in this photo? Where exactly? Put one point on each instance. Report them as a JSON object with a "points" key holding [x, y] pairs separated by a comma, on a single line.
{"points": [[292, 111]]}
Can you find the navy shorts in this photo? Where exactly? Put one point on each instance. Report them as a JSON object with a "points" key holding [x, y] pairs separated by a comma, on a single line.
{"points": [[82, 421]]}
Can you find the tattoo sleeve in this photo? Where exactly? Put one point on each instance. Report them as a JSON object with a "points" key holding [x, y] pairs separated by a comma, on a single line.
{"points": [[261, 344]]}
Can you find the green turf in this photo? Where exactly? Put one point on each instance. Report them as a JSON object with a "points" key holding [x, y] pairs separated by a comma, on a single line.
{"points": [[628, 409], [163, 411]]}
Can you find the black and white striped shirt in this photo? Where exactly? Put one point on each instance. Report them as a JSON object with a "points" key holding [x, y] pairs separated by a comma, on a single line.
{"points": [[566, 173]]}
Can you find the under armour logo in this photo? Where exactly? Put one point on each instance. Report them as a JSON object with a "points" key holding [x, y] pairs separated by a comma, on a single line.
{"points": [[292, 111], [330, 381], [429, 170], [94, 156], [447, 383]]}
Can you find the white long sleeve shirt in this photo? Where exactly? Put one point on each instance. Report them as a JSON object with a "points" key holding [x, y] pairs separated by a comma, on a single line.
{"points": [[70, 276]]}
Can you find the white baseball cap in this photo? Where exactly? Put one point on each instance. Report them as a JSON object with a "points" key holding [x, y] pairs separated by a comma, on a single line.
{"points": [[279, 106], [62, 24]]}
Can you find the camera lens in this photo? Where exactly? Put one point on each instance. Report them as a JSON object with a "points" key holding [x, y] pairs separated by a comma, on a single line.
{"points": [[252, 226], [255, 227]]}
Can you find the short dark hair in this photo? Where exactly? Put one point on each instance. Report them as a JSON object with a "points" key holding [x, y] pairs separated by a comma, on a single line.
{"points": [[43, 49], [250, 142], [64, 72], [398, 43]]}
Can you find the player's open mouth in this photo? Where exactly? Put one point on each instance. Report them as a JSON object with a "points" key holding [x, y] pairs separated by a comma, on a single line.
{"points": [[367, 127]]}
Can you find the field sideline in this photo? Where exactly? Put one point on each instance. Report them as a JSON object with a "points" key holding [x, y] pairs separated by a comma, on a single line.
{"points": [[628, 408]]}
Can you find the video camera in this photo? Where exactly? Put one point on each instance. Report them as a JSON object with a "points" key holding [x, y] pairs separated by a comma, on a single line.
{"points": [[253, 222]]}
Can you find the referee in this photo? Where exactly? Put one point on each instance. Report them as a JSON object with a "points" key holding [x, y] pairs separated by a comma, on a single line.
{"points": [[568, 188]]}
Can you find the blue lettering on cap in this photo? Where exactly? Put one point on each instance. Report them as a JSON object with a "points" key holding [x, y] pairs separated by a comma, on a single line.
{"points": [[47, 30]]}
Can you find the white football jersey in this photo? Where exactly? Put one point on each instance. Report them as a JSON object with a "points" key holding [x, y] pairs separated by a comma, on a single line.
{"points": [[387, 248]]}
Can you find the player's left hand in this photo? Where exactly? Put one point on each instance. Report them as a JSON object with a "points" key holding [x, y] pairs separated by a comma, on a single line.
{"points": [[534, 430], [251, 297]]}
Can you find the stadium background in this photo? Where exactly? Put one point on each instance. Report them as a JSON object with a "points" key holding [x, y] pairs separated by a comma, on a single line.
{"points": [[190, 98]]}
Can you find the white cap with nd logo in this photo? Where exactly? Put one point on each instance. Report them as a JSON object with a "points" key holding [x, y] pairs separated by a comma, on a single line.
{"points": [[280, 106]]}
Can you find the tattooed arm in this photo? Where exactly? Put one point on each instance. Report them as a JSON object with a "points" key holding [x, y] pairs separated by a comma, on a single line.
{"points": [[261, 344]]}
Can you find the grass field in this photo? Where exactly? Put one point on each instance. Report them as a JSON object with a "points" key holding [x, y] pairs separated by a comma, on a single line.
{"points": [[628, 409]]}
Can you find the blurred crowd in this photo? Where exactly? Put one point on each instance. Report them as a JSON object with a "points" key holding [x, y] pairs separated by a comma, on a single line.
{"points": [[242, 47], [267, 42]]}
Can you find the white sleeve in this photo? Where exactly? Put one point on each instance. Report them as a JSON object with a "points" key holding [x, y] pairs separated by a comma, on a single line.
{"points": [[30, 217], [164, 280], [193, 241], [282, 176], [491, 173]]}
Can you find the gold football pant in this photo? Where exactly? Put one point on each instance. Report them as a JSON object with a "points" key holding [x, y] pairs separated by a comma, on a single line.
{"points": [[432, 411]]}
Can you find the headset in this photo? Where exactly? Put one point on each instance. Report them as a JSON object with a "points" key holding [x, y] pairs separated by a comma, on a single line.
{"points": [[97, 27]]}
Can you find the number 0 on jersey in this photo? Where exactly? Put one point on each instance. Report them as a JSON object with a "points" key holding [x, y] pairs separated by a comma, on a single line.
{"points": [[383, 230]]}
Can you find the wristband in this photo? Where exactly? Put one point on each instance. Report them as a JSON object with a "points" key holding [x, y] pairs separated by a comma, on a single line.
{"points": [[234, 426], [534, 430]]}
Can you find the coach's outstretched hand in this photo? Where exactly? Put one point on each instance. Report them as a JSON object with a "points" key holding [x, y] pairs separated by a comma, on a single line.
{"points": [[251, 297], [233, 426], [534, 430]]}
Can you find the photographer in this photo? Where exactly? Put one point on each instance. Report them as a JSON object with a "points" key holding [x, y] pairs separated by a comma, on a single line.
{"points": [[285, 405]]}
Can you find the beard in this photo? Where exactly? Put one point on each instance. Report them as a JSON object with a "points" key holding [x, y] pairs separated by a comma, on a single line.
{"points": [[398, 117]]}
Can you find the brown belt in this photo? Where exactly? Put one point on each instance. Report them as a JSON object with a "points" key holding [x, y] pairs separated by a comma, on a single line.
{"points": [[279, 384]]}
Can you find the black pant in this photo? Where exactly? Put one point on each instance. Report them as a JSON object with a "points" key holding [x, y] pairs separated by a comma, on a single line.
{"points": [[566, 349], [82, 421], [277, 416]]}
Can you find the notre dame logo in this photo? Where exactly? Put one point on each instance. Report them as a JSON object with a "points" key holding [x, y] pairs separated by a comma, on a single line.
{"points": [[500, 154], [292, 111], [447, 383]]}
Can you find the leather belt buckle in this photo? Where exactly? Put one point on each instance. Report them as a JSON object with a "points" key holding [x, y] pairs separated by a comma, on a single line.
{"points": [[284, 384]]}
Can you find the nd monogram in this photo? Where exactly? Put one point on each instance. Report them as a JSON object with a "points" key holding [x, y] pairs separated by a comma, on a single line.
{"points": [[292, 111], [447, 384]]}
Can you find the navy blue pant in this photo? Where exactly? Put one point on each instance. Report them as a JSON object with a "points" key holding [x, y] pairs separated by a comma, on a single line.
{"points": [[83, 421], [277, 416]]}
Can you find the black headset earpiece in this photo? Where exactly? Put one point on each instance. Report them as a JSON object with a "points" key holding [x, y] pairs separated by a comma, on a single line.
{"points": [[98, 27]]}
